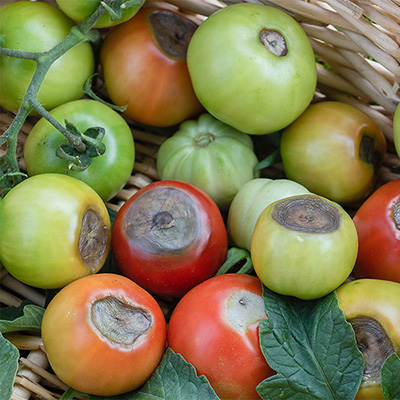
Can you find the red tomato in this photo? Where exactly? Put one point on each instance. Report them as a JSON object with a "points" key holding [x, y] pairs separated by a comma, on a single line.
{"points": [[104, 335], [169, 237], [144, 64], [215, 328], [378, 226]]}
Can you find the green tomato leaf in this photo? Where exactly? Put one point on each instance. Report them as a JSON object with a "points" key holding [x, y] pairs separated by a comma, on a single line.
{"points": [[312, 348], [175, 379], [26, 317], [9, 356], [390, 377]]}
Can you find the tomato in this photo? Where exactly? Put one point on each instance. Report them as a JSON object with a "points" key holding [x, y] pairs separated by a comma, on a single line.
{"points": [[144, 66], [396, 130], [108, 173], [54, 230], [79, 11], [334, 150], [215, 328], [103, 334], [372, 307], [169, 237], [304, 246], [251, 200], [378, 227], [210, 155], [37, 27], [252, 67]]}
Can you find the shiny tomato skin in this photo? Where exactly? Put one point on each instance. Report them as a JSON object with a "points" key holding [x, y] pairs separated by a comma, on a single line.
{"points": [[84, 358], [378, 227], [167, 267], [45, 241], [107, 173], [37, 27], [200, 330], [155, 86]]}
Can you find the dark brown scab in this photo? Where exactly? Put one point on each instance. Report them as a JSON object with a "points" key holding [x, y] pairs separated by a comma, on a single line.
{"points": [[396, 215], [307, 213], [172, 32], [274, 42], [162, 220], [120, 322], [93, 239], [374, 344]]}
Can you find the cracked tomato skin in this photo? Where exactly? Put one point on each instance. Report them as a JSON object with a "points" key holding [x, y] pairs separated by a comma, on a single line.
{"points": [[36, 27], [378, 228], [98, 361], [168, 237], [215, 328]]}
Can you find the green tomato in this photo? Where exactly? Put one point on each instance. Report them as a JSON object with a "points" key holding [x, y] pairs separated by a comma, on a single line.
{"points": [[37, 27], [211, 155], [252, 67], [108, 173], [251, 200], [304, 246], [54, 230], [79, 11]]}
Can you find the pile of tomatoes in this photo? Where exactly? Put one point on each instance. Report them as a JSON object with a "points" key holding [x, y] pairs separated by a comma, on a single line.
{"points": [[247, 71]]}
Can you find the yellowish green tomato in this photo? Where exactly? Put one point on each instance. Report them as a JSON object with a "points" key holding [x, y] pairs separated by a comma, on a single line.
{"points": [[54, 230], [79, 11], [304, 246], [372, 307], [36, 26]]}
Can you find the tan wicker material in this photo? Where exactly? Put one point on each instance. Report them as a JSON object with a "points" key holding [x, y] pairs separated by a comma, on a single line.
{"points": [[363, 57]]}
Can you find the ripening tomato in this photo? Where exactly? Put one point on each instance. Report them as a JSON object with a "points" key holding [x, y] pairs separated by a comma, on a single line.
{"points": [[37, 26], [378, 227], [54, 229], [144, 65], [215, 328], [168, 237], [103, 334]]}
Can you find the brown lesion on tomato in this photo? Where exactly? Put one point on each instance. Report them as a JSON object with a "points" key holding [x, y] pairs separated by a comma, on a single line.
{"points": [[307, 213], [172, 32], [162, 220], [93, 239], [396, 214], [273, 41], [369, 154], [374, 344], [120, 322]]}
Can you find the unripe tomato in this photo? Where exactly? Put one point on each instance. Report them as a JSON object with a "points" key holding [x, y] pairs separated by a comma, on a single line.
{"points": [[37, 26], [54, 230], [103, 334]]}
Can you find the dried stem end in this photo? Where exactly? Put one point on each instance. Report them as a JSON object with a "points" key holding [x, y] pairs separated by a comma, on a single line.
{"points": [[274, 42], [307, 213], [374, 344], [162, 220], [93, 239], [120, 322], [172, 32]]}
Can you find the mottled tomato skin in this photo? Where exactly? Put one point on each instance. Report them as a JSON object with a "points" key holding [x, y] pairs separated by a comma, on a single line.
{"points": [[83, 358], [155, 86], [172, 273], [200, 331], [378, 228]]}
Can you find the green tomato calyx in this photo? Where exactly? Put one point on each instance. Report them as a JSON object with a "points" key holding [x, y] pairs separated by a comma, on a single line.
{"points": [[162, 220], [274, 42], [93, 240], [306, 213], [375, 346], [172, 32], [119, 322], [203, 139]]}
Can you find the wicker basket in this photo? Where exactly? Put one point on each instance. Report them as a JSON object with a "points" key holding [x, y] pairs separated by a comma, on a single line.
{"points": [[363, 57]]}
